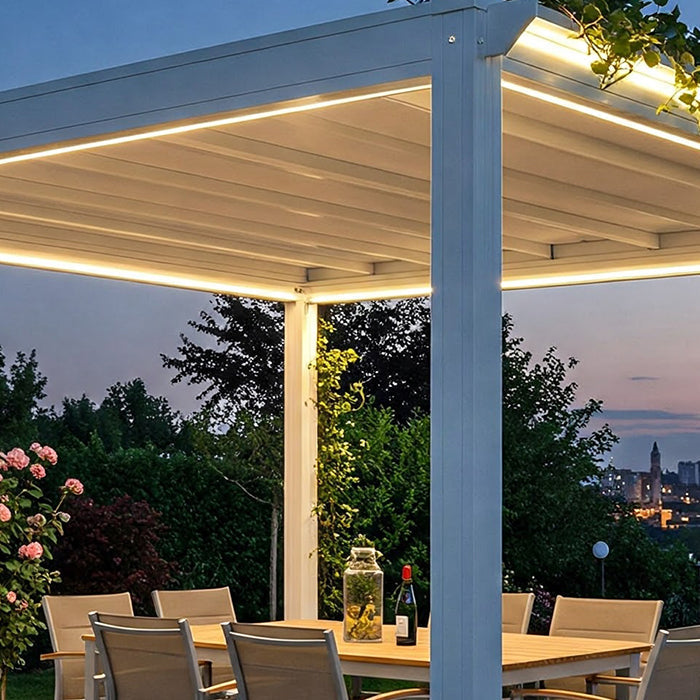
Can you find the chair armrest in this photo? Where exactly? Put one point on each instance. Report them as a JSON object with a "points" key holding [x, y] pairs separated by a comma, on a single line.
{"points": [[614, 680], [405, 693], [551, 693], [57, 655], [220, 687]]}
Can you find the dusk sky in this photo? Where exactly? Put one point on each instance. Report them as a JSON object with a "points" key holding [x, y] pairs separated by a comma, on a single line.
{"points": [[638, 342]]}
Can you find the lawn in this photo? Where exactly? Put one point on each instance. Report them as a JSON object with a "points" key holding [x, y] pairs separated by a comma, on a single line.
{"points": [[30, 685]]}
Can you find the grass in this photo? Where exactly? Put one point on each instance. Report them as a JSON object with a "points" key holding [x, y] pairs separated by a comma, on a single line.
{"points": [[30, 685]]}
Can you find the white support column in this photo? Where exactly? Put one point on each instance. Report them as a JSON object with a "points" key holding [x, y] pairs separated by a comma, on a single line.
{"points": [[300, 534], [466, 345]]}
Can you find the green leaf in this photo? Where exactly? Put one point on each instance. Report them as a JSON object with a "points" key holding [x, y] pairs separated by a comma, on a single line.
{"points": [[651, 58]]}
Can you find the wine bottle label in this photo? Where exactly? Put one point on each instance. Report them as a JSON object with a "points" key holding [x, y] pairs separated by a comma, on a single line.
{"points": [[402, 625]]}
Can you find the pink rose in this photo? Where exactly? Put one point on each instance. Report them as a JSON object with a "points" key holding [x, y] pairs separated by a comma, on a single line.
{"points": [[35, 447], [11, 596], [73, 486], [49, 454], [23, 605], [16, 458], [33, 550], [3, 463], [5, 513], [38, 472]]}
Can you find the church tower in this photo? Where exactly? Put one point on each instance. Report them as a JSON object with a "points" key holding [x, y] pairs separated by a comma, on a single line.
{"points": [[655, 475]]}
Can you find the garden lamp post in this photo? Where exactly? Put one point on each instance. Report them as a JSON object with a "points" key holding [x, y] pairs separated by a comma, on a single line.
{"points": [[600, 551]]}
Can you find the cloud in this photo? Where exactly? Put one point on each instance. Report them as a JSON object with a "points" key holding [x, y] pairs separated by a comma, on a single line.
{"points": [[643, 379], [647, 415]]}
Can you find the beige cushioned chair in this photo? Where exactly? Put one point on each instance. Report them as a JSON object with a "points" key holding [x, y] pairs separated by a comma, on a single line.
{"points": [[670, 674], [200, 606], [144, 660], [516, 609], [603, 618], [292, 663], [67, 620]]}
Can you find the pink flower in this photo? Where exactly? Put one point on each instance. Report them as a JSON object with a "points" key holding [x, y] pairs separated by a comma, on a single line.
{"points": [[23, 605], [38, 472], [35, 447], [5, 513], [73, 486], [11, 596], [3, 463], [16, 458], [49, 454], [33, 550]]}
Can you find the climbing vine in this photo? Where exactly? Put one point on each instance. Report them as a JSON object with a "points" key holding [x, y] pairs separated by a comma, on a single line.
{"points": [[621, 34], [335, 472]]}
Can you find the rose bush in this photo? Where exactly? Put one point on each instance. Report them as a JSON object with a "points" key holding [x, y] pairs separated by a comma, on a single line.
{"points": [[29, 526]]}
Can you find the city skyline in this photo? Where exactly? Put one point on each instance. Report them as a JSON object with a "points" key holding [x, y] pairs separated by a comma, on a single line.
{"points": [[637, 342]]}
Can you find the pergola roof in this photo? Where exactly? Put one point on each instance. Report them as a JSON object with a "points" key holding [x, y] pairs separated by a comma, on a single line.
{"points": [[329, 195], [300, 167]]}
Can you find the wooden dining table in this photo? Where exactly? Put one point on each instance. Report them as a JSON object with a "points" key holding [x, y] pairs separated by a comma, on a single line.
{"points": [[526, 657]]}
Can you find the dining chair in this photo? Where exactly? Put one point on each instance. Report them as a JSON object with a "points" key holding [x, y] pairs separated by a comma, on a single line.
{"points": [[138, 622], [143, 661], [293, 663], [671, 673], [604, 618], [67, 620], [516, 609], [200, 606]]}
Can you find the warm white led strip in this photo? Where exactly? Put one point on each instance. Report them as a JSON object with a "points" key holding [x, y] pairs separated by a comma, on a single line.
{"points": [[627, 275], [370, 295], [147, 277], [602, 115], [563, 45], [212, 123]]}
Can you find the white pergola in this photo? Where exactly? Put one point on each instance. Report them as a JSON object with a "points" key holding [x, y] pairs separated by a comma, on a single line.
{"points": [[456, 147]]}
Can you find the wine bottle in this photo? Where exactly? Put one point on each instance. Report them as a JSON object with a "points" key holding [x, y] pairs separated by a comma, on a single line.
{"points": [[406, 611]]}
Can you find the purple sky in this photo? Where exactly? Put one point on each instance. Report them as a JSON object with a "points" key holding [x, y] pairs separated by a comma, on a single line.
{"points": [[638, 343]]}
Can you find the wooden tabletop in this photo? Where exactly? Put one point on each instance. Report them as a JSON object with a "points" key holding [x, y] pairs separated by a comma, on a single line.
{"points": [[519, 650]]}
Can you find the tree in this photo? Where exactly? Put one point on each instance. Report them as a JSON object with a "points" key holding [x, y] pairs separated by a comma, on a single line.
{"points": [[243, 367], [21, 390], [550, 463], [392, 339], [250, 456]]}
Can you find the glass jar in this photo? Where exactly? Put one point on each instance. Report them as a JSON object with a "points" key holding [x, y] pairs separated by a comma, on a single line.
{"points": [[363, 593]]}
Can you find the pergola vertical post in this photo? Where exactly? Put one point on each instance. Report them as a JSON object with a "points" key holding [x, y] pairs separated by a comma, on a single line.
{"points": [[300, 533], [465, 356]]}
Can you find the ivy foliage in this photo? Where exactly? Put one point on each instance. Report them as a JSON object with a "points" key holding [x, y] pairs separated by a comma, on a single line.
{"points": [[335, 468], [622, 34]]}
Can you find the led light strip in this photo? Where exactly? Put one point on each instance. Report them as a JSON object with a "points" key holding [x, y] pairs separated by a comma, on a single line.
{"points": [[600, 114], [147, 277], [205, 125], [608, 276], [370, 295], [563, 45]]}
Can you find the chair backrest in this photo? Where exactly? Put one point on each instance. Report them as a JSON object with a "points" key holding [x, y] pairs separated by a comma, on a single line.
{"points": [[201, 606], [136, 621], [673, 669], [141, 663], [273, 662], [605, 618], [516, 610], [67, 620]]}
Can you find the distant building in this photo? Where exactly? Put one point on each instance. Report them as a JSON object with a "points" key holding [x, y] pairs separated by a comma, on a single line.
{"points": [[655, 476], [688, 473]]}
